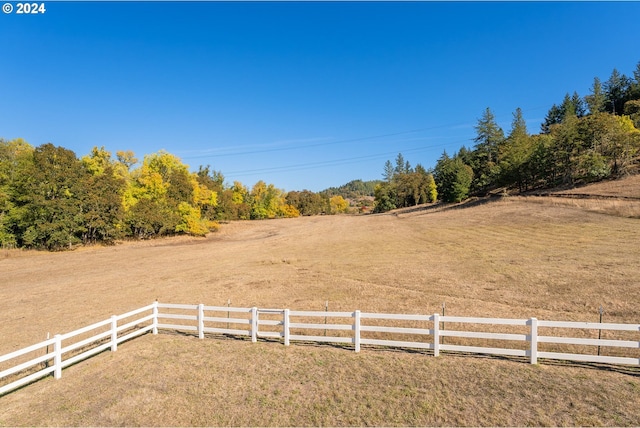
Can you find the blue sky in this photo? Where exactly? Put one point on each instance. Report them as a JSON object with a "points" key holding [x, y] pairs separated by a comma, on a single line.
{"points": [[304, 95]]}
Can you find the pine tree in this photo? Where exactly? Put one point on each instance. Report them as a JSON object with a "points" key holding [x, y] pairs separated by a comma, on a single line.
{"points": [[617, 91], [515, 153], [488, 141], [400, 164], [389, 172], [596, 101]]}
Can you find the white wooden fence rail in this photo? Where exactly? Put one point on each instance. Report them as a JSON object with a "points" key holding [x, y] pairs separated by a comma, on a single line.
{"points": [[423, 332], [81, 349]]}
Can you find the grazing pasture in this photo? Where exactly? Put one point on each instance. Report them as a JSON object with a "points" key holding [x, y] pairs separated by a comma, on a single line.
{"points": [[509, 258]]}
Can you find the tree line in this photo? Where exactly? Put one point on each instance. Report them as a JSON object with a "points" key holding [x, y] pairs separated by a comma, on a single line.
{"points": [[404, 186], [582, 139], [50, 199]]}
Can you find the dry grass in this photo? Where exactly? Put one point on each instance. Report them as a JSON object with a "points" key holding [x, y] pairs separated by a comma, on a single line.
{"points": [[512, 258], [628, 187], [615, 207], [173, 380]]}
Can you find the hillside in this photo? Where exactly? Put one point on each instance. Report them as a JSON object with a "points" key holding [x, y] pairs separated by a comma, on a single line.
{"points": [[354, 190], [624, 188], [503, 257]]}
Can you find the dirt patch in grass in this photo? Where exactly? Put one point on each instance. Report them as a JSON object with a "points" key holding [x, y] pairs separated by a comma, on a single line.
{"points": [[513, 258]]}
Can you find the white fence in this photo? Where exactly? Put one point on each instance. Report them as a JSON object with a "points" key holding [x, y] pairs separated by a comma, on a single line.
{"points": [[517, 337], [64, 350]]}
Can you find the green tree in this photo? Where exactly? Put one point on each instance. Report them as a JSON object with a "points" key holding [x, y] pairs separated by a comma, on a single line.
{"points": [[541, 166], [102, 210], [453, 178], [308, 202], [632, 109], [401, 165], [389, 172], [571, 106], [268, 202], [515, 153], [635, 85], [617, 91], [49, 199], [567, 146], [597, 99], [489, 138], [15, 156], [384, 195]]}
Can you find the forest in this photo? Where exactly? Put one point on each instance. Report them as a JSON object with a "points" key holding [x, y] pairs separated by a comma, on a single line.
{"points": [[51, 199], [581, 140]]}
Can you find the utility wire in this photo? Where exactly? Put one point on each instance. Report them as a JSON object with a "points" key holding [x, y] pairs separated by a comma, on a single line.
{"points": [[329, 143], [334, 162], [306, 146]]}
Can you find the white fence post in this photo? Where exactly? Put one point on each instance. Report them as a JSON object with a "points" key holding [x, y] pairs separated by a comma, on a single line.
{"points": [[155, 317], [356, 327], [534, 340], [114, 333], [285, 326], [201, 321], [57, 357], [254, 324], [436, 334]]}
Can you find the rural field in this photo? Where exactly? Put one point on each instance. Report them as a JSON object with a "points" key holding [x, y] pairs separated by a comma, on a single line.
{"points": [[513, 257]]}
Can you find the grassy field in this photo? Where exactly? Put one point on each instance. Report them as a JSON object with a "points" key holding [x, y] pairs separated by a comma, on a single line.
{"points": [[512, 257]]}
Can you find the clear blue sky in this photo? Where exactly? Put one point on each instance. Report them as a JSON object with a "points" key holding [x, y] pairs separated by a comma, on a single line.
{"points": [[304, 95]]}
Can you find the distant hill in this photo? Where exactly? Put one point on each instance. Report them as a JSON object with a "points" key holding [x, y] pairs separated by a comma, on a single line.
{"points": [[352, 190]]}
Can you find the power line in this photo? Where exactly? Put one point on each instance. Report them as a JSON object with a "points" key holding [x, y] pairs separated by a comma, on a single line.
{"points": [[345, 141], [306, 146], [337, 162], [334, 162]]}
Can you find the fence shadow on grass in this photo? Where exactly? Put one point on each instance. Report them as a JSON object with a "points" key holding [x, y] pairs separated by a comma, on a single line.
{"points": [[626, 370]]}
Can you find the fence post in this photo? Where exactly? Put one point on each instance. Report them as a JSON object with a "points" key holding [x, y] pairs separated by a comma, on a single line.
{"points": [[155, 317], [57, 356], [201, 321], [114, 333], [254, 324], [534, 340], [356, 328], [436, 334], [285, 326], [601, 311]]}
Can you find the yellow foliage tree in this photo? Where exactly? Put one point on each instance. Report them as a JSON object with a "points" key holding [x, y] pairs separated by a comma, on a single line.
{"points": [[289, 211], [191, 223], [338, 205]]}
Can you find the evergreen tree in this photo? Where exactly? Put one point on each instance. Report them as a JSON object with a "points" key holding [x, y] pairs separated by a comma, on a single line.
{"points": [[515, 153], [571, 105], [597, 99], [489, 138], [577, 105], [400, 164], [617, 92], [389, 172], [553, 117], [453, 178]]}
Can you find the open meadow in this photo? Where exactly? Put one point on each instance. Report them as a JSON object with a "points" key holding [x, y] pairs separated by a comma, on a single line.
{"points": [[508, 257]]}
